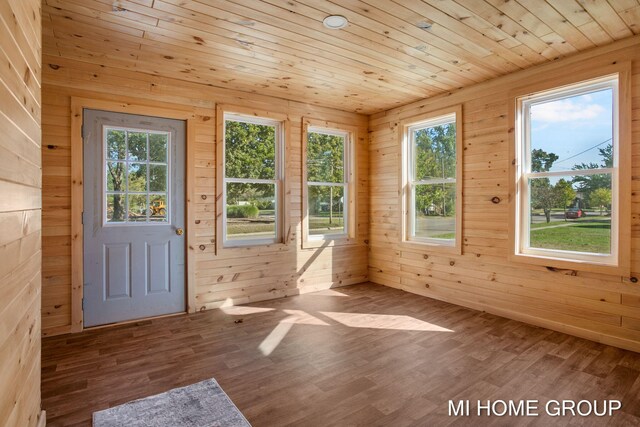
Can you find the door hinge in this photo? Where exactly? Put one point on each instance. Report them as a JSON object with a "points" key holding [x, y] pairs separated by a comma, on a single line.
{"points": [[82, 218], [82, 303]]}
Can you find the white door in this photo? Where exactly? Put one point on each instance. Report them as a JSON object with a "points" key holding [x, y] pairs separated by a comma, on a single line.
{"points": [[134, 248]]}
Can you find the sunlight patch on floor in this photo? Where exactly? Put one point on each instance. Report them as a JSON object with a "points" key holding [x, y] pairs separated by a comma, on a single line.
{"points": [[240, 310], [280, 331], [383, 321], [351, 320], [302, 318], [327, 293], [274, 338]]}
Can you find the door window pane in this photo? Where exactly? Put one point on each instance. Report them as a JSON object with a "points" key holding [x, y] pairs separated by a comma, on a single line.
{"points": [[157, 178], [136, 182], [137, 177], [115, 207], [158, 147], [116, 144], [158, 208], [137, 142], [137, 207], [115, 176]]}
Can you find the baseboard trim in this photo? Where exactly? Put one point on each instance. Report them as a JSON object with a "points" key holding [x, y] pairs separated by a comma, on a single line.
{"points": [[577, 331]]}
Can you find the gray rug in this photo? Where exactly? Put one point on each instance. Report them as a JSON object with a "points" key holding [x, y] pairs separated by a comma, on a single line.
{"points": [[203, 404]]}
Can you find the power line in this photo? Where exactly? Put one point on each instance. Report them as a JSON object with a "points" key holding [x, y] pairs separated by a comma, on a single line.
{"points": [[582, 152]]}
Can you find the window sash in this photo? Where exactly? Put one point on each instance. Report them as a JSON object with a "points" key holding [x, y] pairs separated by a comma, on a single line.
{"points": [[277, 209], [346, 149], [413, 216], [345, 211]]}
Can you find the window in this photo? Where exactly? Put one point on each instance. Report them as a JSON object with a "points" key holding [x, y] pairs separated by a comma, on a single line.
{"points": [[252, 180], [327, 188], [432, 189], [136, 179], [567, 150], [328, 193]]}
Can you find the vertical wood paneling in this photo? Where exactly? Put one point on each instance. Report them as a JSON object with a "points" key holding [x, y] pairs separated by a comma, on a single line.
{"points": [[233, 276], [20, 213], [598, 306]]}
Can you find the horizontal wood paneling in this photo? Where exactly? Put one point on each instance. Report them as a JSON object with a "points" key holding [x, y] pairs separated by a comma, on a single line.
{"points": [[384, 58], [597, 306], [20, 213], [238, 275]]}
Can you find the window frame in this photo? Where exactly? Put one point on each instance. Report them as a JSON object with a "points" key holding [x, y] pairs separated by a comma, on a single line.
{"points": [[350, 192], [407, 191], [618, 262], [126, 193], [281, 210]]}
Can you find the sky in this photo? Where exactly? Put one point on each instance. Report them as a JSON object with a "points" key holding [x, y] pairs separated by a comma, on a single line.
{"points": [[572, 125]]}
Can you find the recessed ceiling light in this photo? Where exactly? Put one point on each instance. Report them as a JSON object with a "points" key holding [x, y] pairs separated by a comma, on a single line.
{"points": [[335, 22], [425, 25]]}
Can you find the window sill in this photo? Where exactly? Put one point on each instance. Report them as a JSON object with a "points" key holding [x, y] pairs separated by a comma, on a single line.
{"points": [[552, 263], [251, 247], [455, 249], [328, 241]]}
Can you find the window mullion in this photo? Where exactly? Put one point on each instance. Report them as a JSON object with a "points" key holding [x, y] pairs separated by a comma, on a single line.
{"points": [[148, 207], [126, 177]]}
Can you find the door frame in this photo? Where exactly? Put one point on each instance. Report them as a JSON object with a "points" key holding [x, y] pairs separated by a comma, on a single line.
{"points": [[168, 111]]}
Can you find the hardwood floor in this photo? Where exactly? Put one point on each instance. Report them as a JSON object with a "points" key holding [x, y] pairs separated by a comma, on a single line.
{"points": [[358, 355]]}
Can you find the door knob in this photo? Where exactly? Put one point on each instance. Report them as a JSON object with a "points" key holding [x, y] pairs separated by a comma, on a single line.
{"points": [[179, 231]]}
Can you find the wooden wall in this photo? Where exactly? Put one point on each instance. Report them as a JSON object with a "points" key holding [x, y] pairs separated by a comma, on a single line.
{"points": [[600, 307], [242, 275], [20, 202]]}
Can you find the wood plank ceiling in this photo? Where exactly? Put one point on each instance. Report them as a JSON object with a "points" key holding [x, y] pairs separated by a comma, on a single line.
{"points": [[391, 53]]}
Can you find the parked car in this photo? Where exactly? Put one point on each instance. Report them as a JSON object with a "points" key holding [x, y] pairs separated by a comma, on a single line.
{"points": [[574, 213]]}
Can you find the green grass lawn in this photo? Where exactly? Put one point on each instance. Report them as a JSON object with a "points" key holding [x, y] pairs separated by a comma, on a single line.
{"points": [[445, 236], [581, 236], [265, 223], [320, 224]]}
